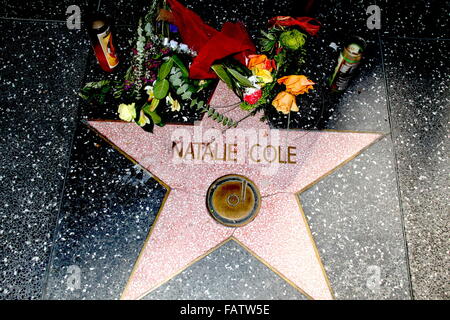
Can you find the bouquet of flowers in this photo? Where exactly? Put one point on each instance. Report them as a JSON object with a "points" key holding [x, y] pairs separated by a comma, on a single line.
{"points": [[176, 56]]}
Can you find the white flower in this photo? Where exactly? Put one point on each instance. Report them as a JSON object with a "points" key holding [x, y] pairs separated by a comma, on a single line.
{"points": [[165, 42], [174, 104], [173, 44], [183, 47], [150, 93], [255, 80], [250, 91]]}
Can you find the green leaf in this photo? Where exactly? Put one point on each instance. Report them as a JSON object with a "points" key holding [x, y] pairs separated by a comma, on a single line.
{"points": [[268, 35], [176, 82], [155, 117], [83, 96], [96, 85], [184, 88], [129, 73], [194, 102], [177, 72], [223, 75], [165, 68], [187, 95], [150, 107], [154, 104], [161, 88], [106, 89], [148, 28], [200, 105], [181, 65], [240, 78]]}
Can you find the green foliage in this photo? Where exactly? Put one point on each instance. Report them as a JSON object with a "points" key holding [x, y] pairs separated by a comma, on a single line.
{"points": [[242, 80], [268, 41], [247, 106], [96, 91], [154, 104], [181, 65], [223, 75], [186, 89], [161, 88], [165, 68], [292, 39], [148, 110], [216, 116], [268, 94]]}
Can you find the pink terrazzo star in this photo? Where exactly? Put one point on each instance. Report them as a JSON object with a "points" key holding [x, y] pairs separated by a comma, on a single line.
{"points": [[184, 231]]}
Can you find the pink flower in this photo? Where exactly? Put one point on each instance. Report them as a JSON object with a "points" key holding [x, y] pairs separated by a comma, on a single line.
{"points": [[254, 97]]}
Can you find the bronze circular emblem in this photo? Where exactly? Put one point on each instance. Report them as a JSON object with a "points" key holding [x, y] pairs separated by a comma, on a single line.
{"points": [[233, 200]]}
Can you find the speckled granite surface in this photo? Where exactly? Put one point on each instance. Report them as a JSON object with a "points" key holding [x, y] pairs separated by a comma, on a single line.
{"points": [[103, 221], [38, 106], [419, 99], [74, 215], [357, 226], [229, 273]]}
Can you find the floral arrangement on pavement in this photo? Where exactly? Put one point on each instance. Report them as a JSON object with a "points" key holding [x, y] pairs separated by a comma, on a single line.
{"points": [[276, 78], [176, 56]]}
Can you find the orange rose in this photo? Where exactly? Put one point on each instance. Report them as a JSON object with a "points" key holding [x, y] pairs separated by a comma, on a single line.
{"points": [[285, 102], [296, 84], [260, 61]]}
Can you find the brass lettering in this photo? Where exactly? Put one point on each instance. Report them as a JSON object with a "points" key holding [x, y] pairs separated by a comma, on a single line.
{"points": [[251, 153], [294, 154], [191, 152], [176, 150], [274, 153]]}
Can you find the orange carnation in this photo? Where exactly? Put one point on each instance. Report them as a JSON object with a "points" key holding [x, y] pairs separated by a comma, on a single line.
{"points": [[285, 102], [260, 61], [296, 84]]}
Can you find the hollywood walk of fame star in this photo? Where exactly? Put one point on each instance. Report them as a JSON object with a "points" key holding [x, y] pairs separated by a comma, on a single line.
{"points": [[185, 232]]}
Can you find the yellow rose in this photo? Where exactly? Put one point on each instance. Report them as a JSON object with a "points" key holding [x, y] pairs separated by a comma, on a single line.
{"points": [[127, 112], [264, 76], [296, 84], [285, 102]]}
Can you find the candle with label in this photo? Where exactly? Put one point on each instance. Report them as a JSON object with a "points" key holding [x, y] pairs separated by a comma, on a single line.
{"points": [[99, 29]]}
